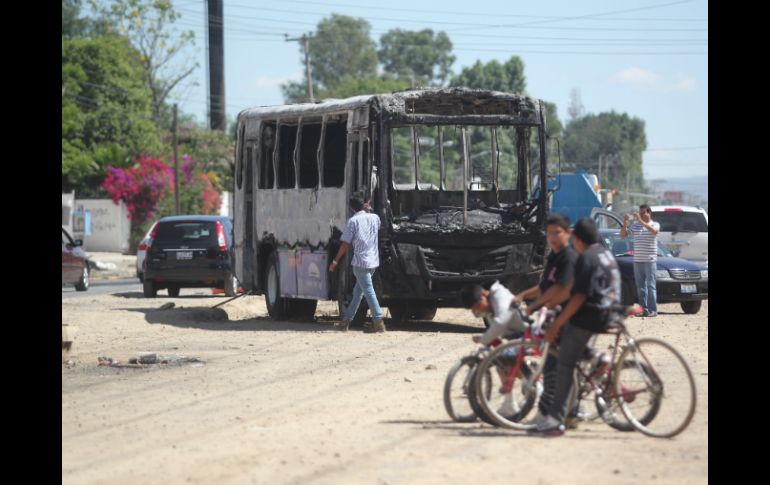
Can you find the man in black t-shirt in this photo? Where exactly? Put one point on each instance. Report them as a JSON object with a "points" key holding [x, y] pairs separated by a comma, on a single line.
{"points": [[596, 287], [554, 287]]}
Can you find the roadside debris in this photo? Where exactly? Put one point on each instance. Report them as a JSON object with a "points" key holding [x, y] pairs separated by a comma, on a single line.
{"points": [[430, 367], [146, 360], [167, 306]]}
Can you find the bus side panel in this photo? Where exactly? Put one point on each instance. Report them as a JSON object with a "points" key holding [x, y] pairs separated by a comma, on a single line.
{"points": [[238, 210], [303, 217], [287, 260], [311, 275]]}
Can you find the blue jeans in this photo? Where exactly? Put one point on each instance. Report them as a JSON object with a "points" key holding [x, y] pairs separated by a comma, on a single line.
{"points": [[363, 288], [644, 275]]}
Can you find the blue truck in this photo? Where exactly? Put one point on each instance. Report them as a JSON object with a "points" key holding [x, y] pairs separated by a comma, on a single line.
{"points": [[575, 195]]}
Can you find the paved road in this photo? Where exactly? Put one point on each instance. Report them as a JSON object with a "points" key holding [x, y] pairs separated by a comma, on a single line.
{"points": [[103, 287]]}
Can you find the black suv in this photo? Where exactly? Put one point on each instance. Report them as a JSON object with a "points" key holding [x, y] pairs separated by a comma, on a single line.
{"points": [[190, 252]]}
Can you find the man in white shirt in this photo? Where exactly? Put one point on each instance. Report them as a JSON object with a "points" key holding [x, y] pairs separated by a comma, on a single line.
{"points": [[644, 232], [361, 231]]}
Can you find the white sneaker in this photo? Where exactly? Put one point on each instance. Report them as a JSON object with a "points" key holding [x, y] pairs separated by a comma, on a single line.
{"points": [[506, 408], [539, 418], [546, 426]]}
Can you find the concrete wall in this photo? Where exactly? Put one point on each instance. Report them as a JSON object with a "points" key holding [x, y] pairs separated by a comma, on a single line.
{"points": [[226, 209], [110, 225], [67, 209]]}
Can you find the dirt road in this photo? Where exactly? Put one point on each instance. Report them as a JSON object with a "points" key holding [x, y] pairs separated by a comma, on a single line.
{"points": [[291, 402]]}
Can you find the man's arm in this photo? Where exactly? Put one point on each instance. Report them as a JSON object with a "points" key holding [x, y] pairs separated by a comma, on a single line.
{"points": [[553, 296], [572, 307], [647, 226], [624, 228], [340, 253], [528, 293]]}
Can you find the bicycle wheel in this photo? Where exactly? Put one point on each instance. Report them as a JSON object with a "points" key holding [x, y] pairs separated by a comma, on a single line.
{"points": [[457, 400], [608, 407], [509, 409], [653, 375], [484, 388]]}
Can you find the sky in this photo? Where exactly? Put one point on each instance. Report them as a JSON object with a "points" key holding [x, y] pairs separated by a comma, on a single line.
{"points": [[646, 58]]}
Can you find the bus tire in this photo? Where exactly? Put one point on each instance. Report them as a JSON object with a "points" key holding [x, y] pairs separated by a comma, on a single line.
{"points": [[277, 306], [424, 311], [301, 308]]}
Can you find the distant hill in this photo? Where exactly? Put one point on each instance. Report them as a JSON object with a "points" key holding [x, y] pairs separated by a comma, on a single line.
{"points": [[696, 186]]}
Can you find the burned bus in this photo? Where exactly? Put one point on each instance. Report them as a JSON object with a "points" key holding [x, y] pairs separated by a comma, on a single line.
{"points": [[457, 177]]}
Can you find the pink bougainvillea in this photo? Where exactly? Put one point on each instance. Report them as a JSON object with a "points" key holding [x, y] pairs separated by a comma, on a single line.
{"points": [[141, 188]]}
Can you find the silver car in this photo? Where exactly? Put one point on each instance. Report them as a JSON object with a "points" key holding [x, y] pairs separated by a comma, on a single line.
{"points": [[141, 252], [684, 230]]}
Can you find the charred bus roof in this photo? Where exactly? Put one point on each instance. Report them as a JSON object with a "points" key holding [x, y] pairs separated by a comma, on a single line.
{"points": [[418, 105]]}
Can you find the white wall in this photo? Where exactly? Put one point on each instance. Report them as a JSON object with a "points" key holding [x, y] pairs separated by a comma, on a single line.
{"points": [[67, 209], [226, 209], [110, 225]]}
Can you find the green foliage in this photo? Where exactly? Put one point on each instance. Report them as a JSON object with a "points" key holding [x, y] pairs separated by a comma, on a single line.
{"points": [[72, 25], [507, 77], [618, 138], [421, 56], [553, 126], [342, 49], [296, 92], [149, 27], [106, 114], [212, 150]]}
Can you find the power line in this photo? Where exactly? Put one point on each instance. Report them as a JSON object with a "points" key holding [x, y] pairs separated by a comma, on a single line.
{"points": [[465, 25], [588, 16], [514, 52], [450, 12], [675, 148]]}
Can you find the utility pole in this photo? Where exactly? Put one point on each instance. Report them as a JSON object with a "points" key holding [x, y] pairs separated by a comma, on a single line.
{"points": [[216, 45], [176, 164], [305, 38]]}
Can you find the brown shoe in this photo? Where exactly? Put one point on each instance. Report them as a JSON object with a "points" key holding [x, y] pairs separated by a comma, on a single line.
{"points": [[377, 326], [342, 325]]}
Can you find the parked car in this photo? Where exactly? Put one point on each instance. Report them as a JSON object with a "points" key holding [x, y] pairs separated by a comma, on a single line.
{"points": [[74, 262], [677, 280], [141, 252], [684, 230], [190, 252]]}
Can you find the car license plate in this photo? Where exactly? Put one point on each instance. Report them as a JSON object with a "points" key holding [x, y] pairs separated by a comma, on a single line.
{"points": [[188, 255], [689, 289]]}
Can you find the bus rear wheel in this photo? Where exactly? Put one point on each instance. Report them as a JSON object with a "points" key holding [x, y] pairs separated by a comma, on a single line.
{"points": [[277, 306]]}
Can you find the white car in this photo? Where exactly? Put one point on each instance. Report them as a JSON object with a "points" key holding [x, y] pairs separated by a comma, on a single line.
{"points": [[684, 230], [141, 252]]}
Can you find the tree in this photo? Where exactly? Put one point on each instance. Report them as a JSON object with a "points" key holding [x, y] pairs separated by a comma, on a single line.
{"points": [[72, 25], [347, 87], [212, 150], [419, 57], [340, 50], [553, 126], [618, 138], [141, 188], [106, 115], [148, 24], [508, 77]]}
